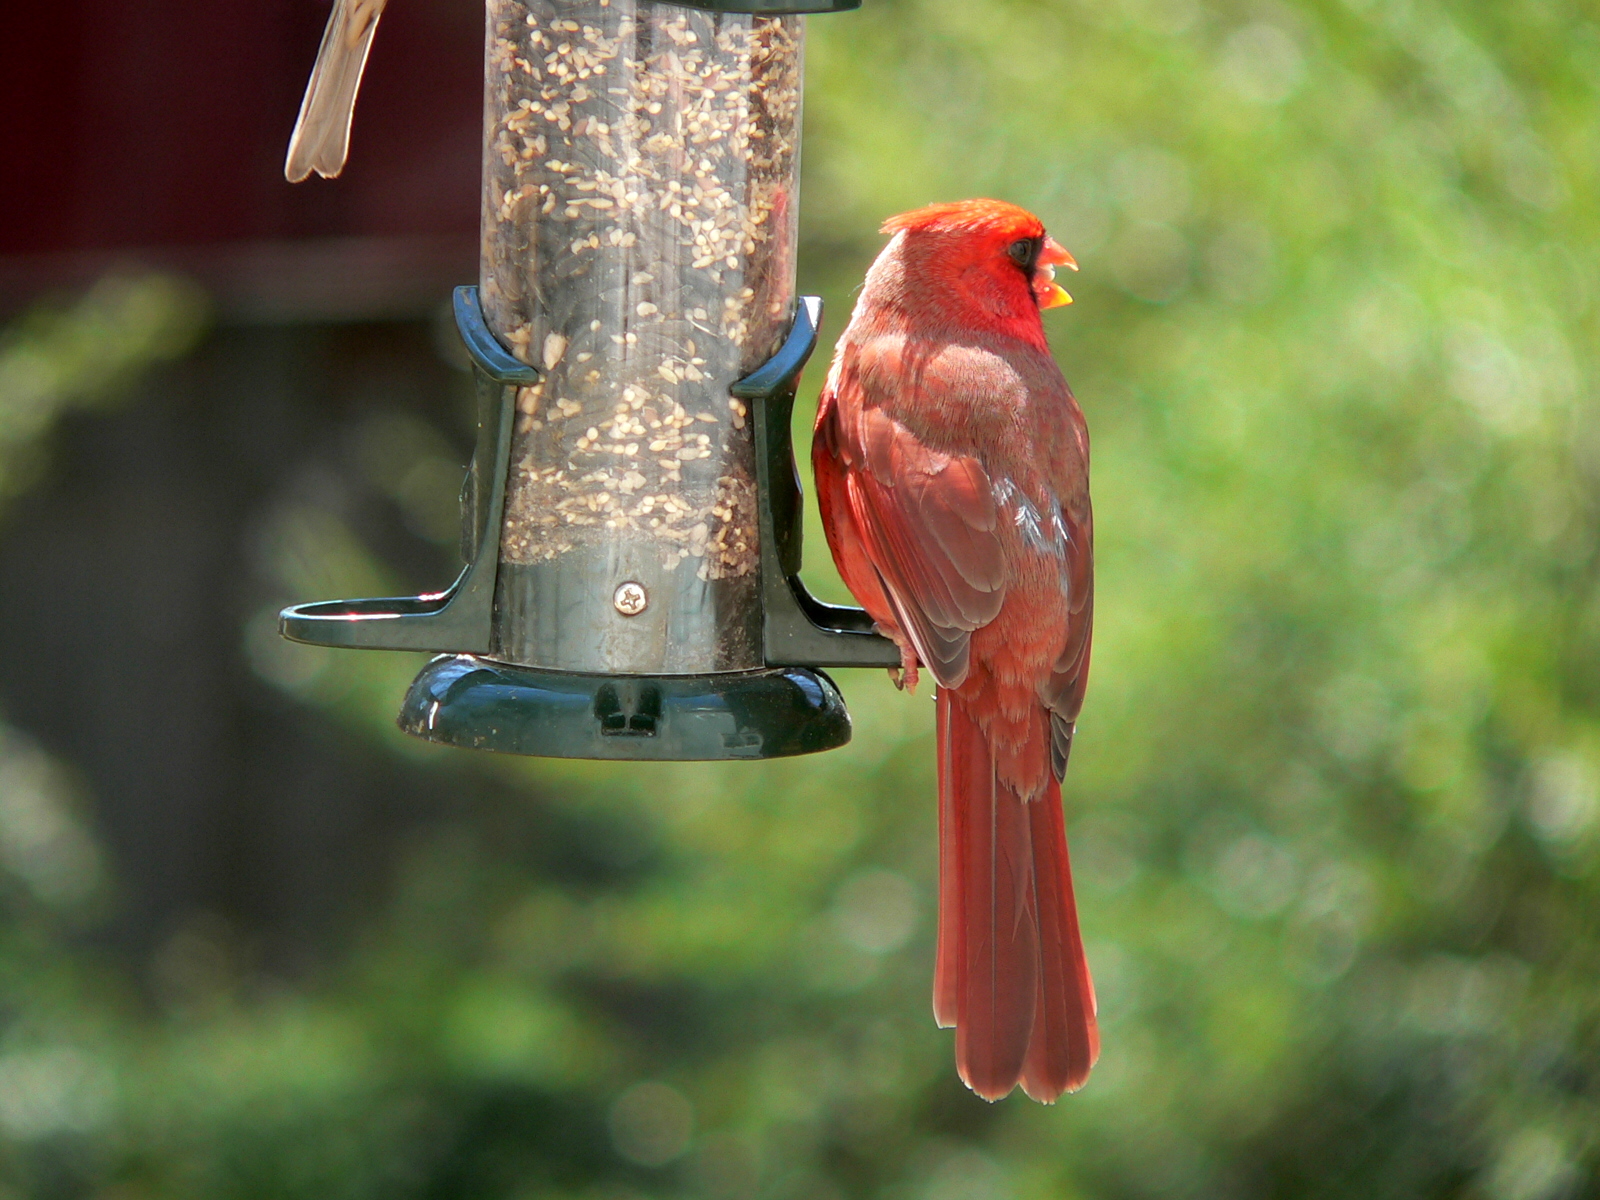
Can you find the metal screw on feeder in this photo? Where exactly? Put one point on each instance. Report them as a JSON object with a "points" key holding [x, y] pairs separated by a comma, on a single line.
{"points": [[637, 342], [630, 599]]}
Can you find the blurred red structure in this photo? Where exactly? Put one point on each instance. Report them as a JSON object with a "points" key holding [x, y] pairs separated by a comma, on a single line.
{"points": [[155, 134]]}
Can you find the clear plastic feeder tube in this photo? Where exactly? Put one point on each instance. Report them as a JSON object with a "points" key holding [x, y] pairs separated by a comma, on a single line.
{"points": [[640, 175]]}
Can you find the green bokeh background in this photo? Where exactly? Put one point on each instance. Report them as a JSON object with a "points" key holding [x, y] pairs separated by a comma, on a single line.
{"points": [[1335, 799]]}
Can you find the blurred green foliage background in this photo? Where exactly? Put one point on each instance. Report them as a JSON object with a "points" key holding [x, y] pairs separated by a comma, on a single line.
{"points": [[1335, 801]]}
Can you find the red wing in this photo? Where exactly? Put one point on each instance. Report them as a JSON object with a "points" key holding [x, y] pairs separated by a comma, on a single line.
{"points": [[932, 526], [927, 521], [1062, 692], [838, 522], [1060, 536]]}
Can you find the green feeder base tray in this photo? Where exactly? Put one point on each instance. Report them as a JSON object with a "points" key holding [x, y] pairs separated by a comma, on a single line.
{"points": [[476, 703]]}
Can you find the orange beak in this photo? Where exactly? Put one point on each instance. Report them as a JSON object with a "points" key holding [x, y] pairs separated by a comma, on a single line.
{"points": [[1049, 293]]}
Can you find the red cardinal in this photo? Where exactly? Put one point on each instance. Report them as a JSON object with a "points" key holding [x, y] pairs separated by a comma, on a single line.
{"points": [[952, 470]]}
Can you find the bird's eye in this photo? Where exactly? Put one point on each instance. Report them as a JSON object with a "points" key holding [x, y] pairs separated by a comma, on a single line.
{"points": [[1022, 251]]}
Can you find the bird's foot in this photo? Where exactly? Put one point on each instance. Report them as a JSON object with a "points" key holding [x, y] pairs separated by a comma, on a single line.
{"points": [[904, 677]]}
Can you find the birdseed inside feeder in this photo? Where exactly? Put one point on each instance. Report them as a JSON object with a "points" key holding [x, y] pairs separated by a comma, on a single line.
{"points": [[638, 247]]}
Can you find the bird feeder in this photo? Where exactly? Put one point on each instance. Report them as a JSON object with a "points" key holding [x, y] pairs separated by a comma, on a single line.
{"points": [[632, 512]]}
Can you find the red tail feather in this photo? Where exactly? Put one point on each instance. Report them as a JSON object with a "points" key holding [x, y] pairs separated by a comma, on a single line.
{"points": [[947, 959], [1010, 974], [1066, 1040]]}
